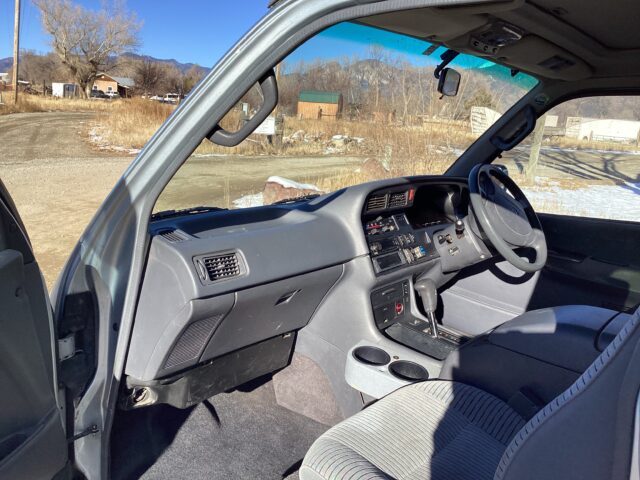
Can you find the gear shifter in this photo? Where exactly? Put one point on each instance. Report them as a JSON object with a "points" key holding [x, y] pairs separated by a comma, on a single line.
{"points": [[426, 288]]}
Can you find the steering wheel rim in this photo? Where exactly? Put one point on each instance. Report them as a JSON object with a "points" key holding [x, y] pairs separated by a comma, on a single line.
{"points": [[509, 221]]}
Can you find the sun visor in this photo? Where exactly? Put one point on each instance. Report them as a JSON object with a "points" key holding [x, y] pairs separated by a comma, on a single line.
{"points": [[538, 56], [429, 24]]}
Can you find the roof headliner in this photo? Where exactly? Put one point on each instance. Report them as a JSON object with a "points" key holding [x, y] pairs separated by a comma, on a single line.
{"points": [[601, 38]]}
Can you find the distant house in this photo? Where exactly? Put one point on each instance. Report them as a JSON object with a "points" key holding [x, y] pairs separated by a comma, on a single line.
{"points": [[4, 77], [65, 90], [319, 105], [109, 83]]}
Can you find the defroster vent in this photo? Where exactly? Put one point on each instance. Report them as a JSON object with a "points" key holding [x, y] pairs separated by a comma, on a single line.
{"points": [[212, 268], [173, 235]]}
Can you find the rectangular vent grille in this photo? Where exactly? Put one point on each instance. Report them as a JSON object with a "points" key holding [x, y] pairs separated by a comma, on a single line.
{"points": [[192, 341], [377, 202], [398, 200], [173, 236], [219, 267]]}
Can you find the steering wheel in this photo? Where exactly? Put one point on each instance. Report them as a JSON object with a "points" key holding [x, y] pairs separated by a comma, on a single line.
{"points": [[506, 216]]}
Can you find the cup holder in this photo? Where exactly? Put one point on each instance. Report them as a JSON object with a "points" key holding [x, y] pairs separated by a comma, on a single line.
{"points": [[409, 371], [371, 355]]}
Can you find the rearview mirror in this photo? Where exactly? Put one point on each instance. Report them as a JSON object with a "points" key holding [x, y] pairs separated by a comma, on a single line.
{"points": [[449, 82]]}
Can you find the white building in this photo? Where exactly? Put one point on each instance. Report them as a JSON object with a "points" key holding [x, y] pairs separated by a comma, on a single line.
{"points": [[604, 130], [65, 90]]}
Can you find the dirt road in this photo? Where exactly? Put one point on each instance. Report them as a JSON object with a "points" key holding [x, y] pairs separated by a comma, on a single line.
{"points": [[55, 178]]}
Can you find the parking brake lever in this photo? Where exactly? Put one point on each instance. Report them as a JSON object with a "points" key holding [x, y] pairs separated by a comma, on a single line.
{"points": [[426, 288]]}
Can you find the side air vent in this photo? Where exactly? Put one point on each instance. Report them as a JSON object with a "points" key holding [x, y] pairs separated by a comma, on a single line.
{"points": [[212, 268], [398, 199], [377, 202], [173, 236]]}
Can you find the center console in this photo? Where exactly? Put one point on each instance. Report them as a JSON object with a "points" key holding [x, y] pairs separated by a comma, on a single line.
{"points": [[395, 315], [406, 226]]}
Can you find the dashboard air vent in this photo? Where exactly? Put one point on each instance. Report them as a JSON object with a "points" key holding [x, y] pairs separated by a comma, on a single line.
{"points": [[219, 267], [173, 236], [398, 199], [377, 202]]}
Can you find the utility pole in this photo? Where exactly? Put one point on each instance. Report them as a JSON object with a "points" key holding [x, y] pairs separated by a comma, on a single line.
{"points": [[534, 152], [279, 119], [16, 50]]}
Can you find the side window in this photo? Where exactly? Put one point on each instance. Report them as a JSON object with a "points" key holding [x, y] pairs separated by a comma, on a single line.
{"points": [[583, 159]]}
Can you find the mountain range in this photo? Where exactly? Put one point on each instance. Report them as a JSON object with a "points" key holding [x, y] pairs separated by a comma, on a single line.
{"points": [[5, 63]]}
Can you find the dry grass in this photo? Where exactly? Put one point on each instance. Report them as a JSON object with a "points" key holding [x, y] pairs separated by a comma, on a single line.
{"points": [[575, 143], [37, 103], [406, 150], [132, 122]]}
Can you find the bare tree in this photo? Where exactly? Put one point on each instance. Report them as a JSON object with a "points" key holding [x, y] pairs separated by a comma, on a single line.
{"points": [[192, 77], [171, 79], [147, 75], [86, 41], [40, 70]]}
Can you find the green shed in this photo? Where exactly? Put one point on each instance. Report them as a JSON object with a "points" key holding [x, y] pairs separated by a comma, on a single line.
{"points": [[320, 105]]}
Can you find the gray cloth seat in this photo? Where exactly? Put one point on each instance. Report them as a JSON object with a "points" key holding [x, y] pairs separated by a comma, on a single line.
{"points": [[422, 431], [441, 430]]}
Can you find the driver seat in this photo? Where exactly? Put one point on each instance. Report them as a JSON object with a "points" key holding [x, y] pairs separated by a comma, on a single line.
{"points": [[441, 430]]}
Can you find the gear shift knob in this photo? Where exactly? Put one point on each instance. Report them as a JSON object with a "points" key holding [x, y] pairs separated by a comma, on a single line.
{"points": [[426, 288]]}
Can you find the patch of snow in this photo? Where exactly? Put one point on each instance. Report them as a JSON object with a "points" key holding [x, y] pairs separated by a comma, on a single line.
{"points": [[297, 135], [210, 155], [98, 140], [620, 202], [332, 151], [248, 201], [287, 183]]}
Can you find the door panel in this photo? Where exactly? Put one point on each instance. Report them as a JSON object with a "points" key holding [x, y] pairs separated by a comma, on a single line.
{"points": [[32, 437], [591, 262]]}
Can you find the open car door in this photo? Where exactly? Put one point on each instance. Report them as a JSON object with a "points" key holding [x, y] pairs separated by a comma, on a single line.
{"points": [[32, 439]]}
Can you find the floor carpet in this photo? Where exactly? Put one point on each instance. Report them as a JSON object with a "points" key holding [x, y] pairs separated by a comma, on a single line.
{"points": [[242, 434]]}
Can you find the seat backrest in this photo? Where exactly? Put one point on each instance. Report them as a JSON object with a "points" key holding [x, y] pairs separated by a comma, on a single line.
{"points": [[587, 431]]}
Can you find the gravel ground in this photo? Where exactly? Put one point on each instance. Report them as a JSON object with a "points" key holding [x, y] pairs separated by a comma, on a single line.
{"points": [[56, 179]]}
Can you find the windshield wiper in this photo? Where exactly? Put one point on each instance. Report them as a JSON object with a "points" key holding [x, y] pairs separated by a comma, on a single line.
{"points": [[185, 211], [302, 198]]}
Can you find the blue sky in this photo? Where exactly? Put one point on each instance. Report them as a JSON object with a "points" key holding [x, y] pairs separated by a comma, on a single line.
{"points": [[194, 31], [198, 33], [189, 31]]}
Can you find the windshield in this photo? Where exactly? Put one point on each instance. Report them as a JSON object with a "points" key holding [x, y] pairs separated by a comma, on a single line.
{"points": [[356, 104]]}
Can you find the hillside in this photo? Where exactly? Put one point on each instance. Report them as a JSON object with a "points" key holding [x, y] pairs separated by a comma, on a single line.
{"points": [[6, 63]]}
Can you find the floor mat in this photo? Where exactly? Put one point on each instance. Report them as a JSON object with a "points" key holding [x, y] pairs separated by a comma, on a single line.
{"points": [[234, 435]]}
